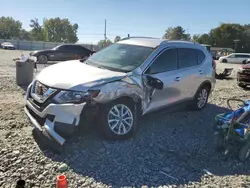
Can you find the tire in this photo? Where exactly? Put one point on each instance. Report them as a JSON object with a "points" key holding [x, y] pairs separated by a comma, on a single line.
{"points": [[201, 95], [244, 62], [112, 111], [244, 152], [218, 140], [242, 85], [224, 61], [42, 59]]}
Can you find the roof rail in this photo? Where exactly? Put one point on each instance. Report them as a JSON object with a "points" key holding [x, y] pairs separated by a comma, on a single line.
{"points": [[185, 41], [139, 37]]}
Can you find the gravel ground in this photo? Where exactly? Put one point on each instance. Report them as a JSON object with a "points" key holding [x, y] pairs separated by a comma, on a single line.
{"points": [[171, 149]]}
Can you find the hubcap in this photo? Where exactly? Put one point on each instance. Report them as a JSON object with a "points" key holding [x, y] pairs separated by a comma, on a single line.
{"points": [[120, 119], [42, 59], [202, 98]]}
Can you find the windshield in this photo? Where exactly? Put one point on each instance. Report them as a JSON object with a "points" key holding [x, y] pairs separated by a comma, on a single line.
{"points": [[56, 47], [120, 57], [7, 43]]}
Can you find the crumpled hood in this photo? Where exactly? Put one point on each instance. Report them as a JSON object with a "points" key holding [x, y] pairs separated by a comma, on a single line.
{"points": [[75, 75]]}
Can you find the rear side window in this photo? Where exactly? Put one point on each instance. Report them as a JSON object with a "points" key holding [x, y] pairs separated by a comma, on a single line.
{"points": [[200, 56], [64, 48], [167, 61], [187, 57], [242, 56]]}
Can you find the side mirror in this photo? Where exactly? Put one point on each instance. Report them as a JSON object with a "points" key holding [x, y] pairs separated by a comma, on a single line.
{"points": [[154, 83]]}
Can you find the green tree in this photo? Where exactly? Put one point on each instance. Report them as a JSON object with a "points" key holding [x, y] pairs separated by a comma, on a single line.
{"points": [[202, 38], [225, 34], [117, 38], [104, 43], [37, 32], [24, 35], [60, 30], [176, 33], [9, 28]]}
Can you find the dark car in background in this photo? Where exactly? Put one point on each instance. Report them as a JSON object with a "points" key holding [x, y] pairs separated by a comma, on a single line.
{"points": [[63, 52]]}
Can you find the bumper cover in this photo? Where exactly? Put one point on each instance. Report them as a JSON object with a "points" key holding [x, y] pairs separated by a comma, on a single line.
{"points": [[65, 115]]}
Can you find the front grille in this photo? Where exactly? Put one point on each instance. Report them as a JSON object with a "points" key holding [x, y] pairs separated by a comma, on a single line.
{"points": [[40, 95], [246, 71]]}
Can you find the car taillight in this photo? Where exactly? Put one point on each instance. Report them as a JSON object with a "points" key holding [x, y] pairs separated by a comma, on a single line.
{"points": [[214, 64]]}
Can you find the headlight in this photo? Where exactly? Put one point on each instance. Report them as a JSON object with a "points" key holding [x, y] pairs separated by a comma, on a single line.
{"points": [[241, 70], [75, 96]]}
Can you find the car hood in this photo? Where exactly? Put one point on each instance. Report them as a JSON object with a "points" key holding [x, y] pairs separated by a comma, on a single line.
{"points": [[74, 75]]}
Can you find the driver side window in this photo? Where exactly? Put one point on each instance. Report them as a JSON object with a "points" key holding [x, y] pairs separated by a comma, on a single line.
{"points": [[166, 61]]}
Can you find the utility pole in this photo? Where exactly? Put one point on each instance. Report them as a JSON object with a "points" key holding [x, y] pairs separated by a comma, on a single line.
{"points": [[236, 43], [128, 35], [105, 32]]}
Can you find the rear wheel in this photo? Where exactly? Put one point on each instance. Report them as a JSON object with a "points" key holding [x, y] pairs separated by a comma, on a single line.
{"points": [[42, 59], [118, 119], [201, 98]]}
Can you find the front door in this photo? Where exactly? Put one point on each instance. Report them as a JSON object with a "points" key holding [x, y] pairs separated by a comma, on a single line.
{"points": [[165, 69]]}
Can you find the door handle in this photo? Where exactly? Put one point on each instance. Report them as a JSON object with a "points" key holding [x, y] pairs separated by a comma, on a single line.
{"points": [[177, 79], [200, 71]]}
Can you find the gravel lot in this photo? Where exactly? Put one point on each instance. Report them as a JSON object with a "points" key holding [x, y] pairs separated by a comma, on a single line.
{"points": [[178, 143]]}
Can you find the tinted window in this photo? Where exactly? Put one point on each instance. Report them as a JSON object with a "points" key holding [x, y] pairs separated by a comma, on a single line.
{"points": [[187, 57], [200, 56], [242, 56], [167, 61], [63, 48]]}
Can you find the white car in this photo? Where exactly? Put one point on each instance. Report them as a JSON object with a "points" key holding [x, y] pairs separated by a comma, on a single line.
{"points": [[8, 45], [235, 58]]}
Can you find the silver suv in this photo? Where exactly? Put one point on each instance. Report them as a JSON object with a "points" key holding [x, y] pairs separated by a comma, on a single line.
{"points": [[117, 84]]}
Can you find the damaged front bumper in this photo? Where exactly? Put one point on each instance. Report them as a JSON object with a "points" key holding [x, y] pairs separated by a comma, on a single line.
{"points": [[57, 120]]}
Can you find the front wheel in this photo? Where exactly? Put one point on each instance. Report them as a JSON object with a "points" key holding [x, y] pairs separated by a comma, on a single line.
{"points": [[201, 98], [224, 61], [42, 59], [118, 119], [242, 85]]}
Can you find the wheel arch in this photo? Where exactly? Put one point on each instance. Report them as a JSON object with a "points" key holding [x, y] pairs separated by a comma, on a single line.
{"points": [[205, 83]]}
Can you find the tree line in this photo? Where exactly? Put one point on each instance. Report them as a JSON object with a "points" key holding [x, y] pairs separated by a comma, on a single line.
{"points": [[51, 30], [226, 35]]}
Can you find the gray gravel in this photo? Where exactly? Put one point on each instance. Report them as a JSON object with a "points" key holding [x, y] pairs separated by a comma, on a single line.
{"points": [[171, 149]]}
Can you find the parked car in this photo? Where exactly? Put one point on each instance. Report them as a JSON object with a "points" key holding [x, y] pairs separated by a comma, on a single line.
{"points": [[7, 46], [243, 76], [117, 84], [235, 58], [62, 53]]}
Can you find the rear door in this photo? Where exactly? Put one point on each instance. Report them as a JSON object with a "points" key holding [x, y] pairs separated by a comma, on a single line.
{"points": [[66, 52], [191, 70]]}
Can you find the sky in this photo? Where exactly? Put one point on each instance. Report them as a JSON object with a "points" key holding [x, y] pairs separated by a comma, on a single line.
{"points": [[135, 17]]}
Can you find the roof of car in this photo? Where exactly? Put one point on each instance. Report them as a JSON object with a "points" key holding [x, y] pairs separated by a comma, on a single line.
{"points": [[149, 41]]}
